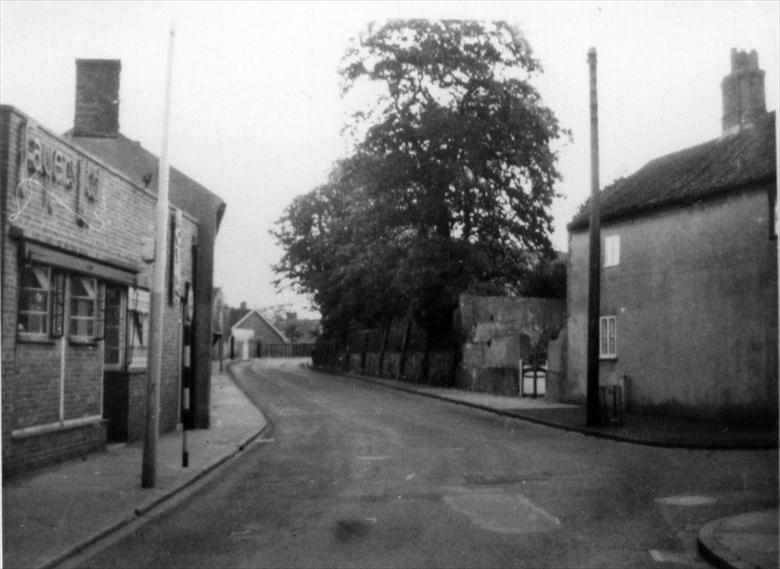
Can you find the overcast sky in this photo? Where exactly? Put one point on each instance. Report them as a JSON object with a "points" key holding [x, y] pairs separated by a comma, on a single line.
{"points": [[256, 114]]}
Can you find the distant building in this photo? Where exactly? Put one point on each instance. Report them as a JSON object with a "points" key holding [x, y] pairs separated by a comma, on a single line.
{"points": [[75, 237], [689, 272], [253, 334]]}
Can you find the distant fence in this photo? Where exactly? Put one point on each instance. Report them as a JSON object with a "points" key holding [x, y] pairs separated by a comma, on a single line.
{"points": [[285, 350], [263, 350]]}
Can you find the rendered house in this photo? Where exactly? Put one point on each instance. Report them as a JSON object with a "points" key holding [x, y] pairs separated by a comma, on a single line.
{"points": [[689, 272], [74, 232]]}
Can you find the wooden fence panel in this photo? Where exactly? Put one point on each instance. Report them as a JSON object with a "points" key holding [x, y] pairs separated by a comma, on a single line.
{"points": [[286, 350]]}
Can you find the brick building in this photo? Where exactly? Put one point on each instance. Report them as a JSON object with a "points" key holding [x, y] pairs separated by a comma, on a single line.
{"points": [[689, 272], [77, 234]]}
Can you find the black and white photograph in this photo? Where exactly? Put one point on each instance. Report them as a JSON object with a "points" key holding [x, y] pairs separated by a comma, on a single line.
{"points": [[389, 284]]}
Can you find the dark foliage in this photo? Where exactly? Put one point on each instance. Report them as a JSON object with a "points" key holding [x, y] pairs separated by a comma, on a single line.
{"points": [[449, 186]]}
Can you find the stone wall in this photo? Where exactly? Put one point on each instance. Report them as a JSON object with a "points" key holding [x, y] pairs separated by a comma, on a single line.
{"points": [[498, 332]]}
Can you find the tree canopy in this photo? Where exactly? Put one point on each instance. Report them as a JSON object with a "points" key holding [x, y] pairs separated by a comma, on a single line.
{"points": [[448, 188]]}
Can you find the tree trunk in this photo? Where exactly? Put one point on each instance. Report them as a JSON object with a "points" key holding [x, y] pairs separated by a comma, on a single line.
{"points": [[405, 346], [454, 348], [363, 354], [388, 326], [348, 354], [426, 363]]}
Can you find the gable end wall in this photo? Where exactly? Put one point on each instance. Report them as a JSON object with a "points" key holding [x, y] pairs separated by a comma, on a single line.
{"points": [[695, 298]]}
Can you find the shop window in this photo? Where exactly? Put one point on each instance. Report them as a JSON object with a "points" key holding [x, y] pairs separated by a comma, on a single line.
{"points": [[58, 306], [138, 324], [34, 301], [114, 326], [84, 316], [607, 337]]}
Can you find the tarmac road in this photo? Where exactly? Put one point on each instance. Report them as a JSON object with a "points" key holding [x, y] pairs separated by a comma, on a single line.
{"points": [[358, 475]]}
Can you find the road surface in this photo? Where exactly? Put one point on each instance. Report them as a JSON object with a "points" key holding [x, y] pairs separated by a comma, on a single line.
{"points": [[353, 474]]}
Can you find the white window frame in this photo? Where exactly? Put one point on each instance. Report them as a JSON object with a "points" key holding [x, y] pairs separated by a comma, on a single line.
{"points": [[90, 284], [612, 251], [607, 337], [41, 273], [138, 304]]}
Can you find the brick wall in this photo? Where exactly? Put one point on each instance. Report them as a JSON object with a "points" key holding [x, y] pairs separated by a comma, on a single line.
{"points": [[36, 392], [118, 219], [34, 451], [112, 229], [169, 392], [83, 381], [9, 162]]}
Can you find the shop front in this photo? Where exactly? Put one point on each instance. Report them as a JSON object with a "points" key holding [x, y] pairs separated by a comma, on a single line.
{"points": [[75, 300]]}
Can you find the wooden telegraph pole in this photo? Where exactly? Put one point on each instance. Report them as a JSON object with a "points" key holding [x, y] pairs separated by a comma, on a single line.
{"points": [[154, 369], [594, 261]]}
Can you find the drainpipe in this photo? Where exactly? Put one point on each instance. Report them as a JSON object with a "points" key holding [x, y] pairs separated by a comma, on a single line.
{"points": [[195, 354]]}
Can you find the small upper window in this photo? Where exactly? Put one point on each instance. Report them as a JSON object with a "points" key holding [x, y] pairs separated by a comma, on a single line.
{"points": [[612, 251], [34, 300]]}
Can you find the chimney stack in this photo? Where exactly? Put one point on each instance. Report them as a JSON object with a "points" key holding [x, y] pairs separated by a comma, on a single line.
{"points": [[97, 98], [743, 92]]}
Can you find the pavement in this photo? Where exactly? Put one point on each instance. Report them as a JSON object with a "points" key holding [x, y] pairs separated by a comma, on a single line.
{"points": [[54, 515], [660, 431]]}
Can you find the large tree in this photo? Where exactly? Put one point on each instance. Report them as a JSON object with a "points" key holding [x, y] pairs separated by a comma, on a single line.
{"points": [[335, 252], [451, 180]]}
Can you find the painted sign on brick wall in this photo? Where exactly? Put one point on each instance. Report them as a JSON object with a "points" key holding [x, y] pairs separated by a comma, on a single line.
{"points": [[62, 177]]}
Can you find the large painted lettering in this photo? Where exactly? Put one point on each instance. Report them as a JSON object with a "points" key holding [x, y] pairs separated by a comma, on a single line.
{"points": [[57, 168]]}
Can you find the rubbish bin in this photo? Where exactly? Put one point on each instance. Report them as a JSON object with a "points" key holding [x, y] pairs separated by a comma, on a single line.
{"points": [[611, 405]]}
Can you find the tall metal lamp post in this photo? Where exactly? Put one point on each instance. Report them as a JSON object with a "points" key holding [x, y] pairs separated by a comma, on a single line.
{"points": [[154, 369]]}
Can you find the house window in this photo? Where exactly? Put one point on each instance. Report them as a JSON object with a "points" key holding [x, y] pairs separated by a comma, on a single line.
{"points": [[607, 337], [34, 300], [114, 326], [138, 324], [83, 308], [612, 251]]}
